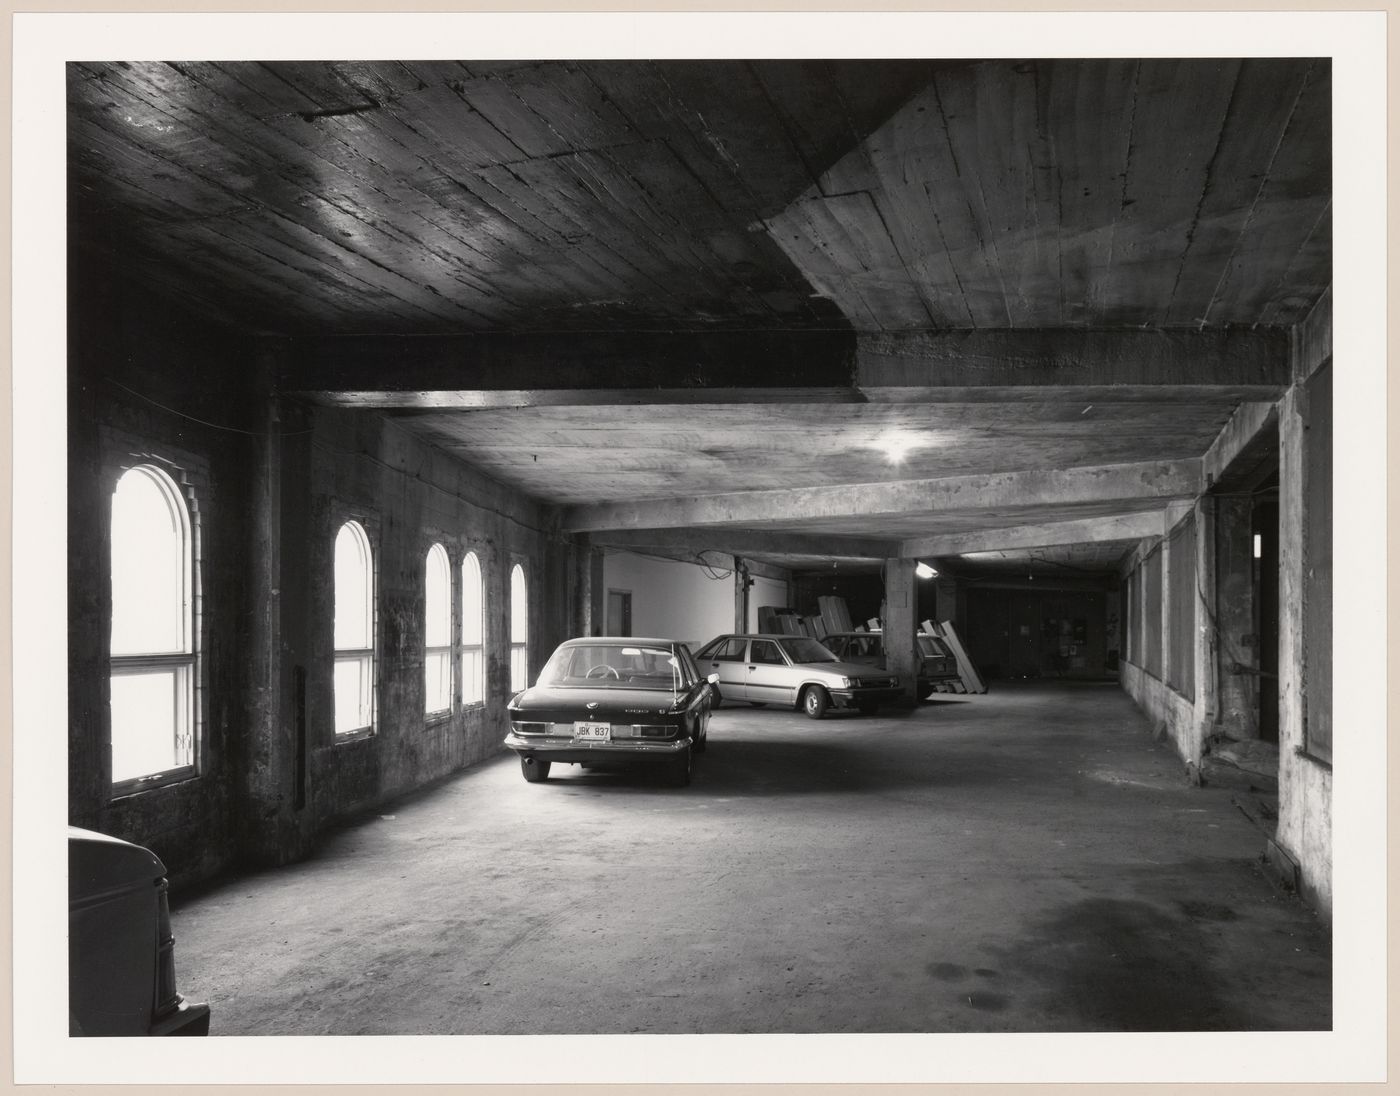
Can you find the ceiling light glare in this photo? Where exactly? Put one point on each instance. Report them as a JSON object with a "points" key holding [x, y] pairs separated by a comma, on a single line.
{"points": [[897, 446], [923, 570]]}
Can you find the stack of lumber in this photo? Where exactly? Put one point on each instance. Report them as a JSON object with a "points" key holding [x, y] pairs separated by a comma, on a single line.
{"points": [[780, 620], [971, 679], [947, 686], [813, 624], [835, 616]]}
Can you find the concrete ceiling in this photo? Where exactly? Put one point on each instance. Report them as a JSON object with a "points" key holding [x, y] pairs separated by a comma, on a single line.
{"points": [[687, 302]]}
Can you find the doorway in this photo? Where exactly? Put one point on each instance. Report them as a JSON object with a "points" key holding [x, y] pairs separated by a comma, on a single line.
{"points": [[619, 613]]}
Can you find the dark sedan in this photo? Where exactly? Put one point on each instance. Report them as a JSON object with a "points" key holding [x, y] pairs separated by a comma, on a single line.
{"points": [[602, 699]]}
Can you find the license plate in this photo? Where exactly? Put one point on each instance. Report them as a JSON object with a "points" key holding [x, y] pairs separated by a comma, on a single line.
{"points": [[592, 732]]}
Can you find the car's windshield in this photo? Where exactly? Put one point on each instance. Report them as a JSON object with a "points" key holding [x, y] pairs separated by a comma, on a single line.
{"points": [[806, 649], [613, 665]]}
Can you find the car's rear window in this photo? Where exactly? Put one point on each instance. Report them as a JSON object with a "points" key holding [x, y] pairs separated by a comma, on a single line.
{"points": [[613, 665], [806, 649]]}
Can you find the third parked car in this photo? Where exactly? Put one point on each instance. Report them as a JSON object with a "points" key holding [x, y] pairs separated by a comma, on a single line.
{"points": [[937, 666], [793, 670]]}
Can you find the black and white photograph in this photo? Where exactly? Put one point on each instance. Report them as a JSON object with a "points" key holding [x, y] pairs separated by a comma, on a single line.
{"points": [[622, 548]]}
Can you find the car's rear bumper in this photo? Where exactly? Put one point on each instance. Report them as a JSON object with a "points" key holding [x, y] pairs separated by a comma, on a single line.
{"points": [[565, 749], [190, 1018]]}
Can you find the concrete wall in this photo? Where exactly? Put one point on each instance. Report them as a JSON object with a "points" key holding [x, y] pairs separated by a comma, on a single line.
{"points": [[1305, 783], [270, 482], [1223, 700], [672, 599], [353, 465], [1183, 718], [123, 357]]}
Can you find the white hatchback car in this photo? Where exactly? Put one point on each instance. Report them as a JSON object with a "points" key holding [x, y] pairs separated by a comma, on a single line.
{"points": [[793, 670]]}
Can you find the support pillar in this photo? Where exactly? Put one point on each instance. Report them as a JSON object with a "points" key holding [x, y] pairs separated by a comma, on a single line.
{"points": [[1206, 646], [901, 605], [742, 582], [270, 755], [1237, 700], [589, 617]]}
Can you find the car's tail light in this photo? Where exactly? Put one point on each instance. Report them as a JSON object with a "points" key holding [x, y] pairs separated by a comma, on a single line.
{"points": [[167, 998], [647, 730], [522, 727]]}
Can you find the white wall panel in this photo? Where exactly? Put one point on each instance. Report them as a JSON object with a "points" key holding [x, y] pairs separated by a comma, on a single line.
{"points": [[671, 599]]}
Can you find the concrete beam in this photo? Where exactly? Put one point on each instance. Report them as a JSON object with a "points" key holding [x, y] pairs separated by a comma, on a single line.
{"points": [[493, 370], [1247, 442], [1052, 487], [620, 369], [1312, 339], [1133, 526], [745, 542], [968, 366]]}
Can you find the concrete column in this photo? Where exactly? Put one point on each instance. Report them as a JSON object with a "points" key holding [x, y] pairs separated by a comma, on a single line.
{"points": [[900, 607], [589, 597], [1237, 700], [1206, 651], [270, 782], [741, 596]]}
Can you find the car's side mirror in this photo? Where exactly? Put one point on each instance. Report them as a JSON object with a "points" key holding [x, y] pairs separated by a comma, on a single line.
{"points": [[713, 679]]}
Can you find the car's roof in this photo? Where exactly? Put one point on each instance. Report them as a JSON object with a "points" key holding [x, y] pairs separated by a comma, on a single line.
{"points": [[631, 641], [759, 635]]}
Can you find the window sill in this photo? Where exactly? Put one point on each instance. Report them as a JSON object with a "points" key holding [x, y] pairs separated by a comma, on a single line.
{"points": [[442, 715], [127, 789], [358, 735]]}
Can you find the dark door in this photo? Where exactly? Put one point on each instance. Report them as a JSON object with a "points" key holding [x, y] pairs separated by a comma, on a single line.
{"points": [[619, 612]]}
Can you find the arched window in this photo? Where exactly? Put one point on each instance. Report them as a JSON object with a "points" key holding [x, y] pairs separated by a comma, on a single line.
{"points": [[519, 630], [354, 630], [473, 616], [437, 631], [153, 654]]}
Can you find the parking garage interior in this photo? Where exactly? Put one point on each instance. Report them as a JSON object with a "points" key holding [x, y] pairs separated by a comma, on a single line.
{"points": [[513, 351]]}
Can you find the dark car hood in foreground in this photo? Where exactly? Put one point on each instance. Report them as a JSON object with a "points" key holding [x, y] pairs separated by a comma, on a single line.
{"points": [[99, 864], [564, 704]]}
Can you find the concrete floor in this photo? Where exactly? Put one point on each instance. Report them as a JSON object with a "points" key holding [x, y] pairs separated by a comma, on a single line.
{"points": [[1027, 860]]}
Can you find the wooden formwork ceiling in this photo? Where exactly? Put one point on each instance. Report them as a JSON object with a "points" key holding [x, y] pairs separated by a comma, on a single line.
{"points": [[807, 309]]}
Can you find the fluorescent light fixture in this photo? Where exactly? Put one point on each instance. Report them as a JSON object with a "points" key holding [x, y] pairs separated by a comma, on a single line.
{"points": [[1258, 545], [923, 570]]}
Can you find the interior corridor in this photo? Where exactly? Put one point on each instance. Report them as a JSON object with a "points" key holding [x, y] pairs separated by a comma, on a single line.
{"points": [[1025, 860]]}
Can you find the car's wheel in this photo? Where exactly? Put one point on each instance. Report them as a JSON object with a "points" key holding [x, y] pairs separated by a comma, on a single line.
{"points": [[868, 707], [679, 768], [814, 701], [535, 771]]}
